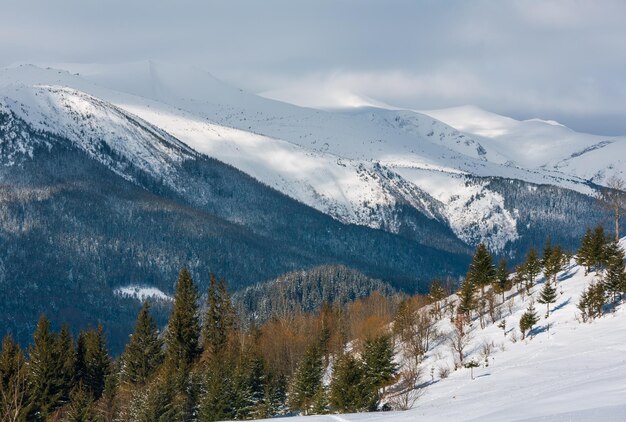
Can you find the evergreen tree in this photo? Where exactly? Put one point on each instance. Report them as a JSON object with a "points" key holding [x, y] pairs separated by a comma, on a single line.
{"points": [[547, 252], [379, 366], [437, 293], [65, 349], [143, 353], [97, 362], [528, 320], [81, 408], [547, 296], [219, 318], [501, 282], [181, 337], [615, 280], [306, 381], [349, 391], [45, 373], [481, 271], [553, 264], [532, 268], [467, 300], [597, 252], [12, 381], [583, 256], [321, 403]]}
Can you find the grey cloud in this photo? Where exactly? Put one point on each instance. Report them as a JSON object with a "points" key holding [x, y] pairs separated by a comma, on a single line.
{"points": [[561, 60]]}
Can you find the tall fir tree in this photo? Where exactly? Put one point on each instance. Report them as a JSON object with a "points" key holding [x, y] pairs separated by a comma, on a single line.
{"points": [[547, 296], [306, 381], [219, 318], [13, 382], [183, 330], [45, 373], [615, 279], [349, 392], [481, 271], [97, 362], [379, 366], [528, 320], [501, 281], [583, 255], [532, 268], [143, 353], [65, 346]]}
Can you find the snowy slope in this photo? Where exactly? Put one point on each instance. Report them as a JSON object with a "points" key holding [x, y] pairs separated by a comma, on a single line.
{"points": [[571, 372], [537, 143]]}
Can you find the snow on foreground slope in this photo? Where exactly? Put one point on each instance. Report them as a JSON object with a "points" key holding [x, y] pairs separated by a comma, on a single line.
{"points": [[574, 372]]}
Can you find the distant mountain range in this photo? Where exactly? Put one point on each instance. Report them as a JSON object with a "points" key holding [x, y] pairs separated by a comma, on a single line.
{"points": [[115, 176]]}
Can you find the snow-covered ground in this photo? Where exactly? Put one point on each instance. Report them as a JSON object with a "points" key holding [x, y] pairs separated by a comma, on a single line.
{"points": [[573, 372], [142, 293]]}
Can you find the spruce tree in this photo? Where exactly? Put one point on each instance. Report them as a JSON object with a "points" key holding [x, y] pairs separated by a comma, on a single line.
{"points": [[532, 268], [143, 353], [45, 373], [379, 366], [306, 381], [437, 293], [501, 281], [13, 385], [349, 391], [219, 318], [65, 349], [481, 271], [528, 320], [81, 408], [97, 362], [615, 280], [181, 337], [547, 296], [598, 244], [467, 300], [583, 256]]}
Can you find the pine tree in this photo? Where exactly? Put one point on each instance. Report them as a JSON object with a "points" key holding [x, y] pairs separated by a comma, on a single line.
{"points": [[528, 320], [583, 256], [181, 337], [321, 404], [547, 252], [65, 349], [219, 318], [12, 381], [553, 264], [481, 271], [467, 300], [349, 391], [45, 377], [598, 243], [306, 381], [547, 296], [532, 268], [615, 280], [379, 366], [437, 293], [81, 408], [502, 282], [97, 362], [143, 353]]}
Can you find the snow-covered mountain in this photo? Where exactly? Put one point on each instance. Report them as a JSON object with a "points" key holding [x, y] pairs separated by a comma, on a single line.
{"points": [[358, 166], [540, 144], [565, 370]]}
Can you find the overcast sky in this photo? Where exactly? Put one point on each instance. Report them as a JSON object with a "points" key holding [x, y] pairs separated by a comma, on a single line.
{"points": [[561, 60]]}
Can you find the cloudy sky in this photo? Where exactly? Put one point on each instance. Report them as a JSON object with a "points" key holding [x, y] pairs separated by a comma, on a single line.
{"points": [[561, 60]]}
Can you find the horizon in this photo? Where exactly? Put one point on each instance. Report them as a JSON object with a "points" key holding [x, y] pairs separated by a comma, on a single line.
{"points": [[556, 60]]}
